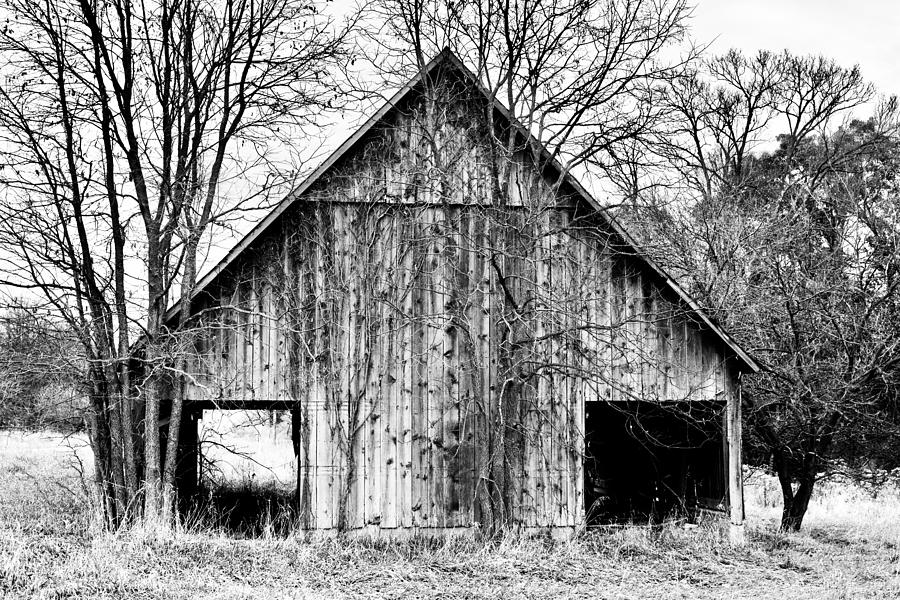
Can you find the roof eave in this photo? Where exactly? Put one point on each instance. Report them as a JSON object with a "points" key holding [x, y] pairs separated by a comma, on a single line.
{"points": [[311, 179]]}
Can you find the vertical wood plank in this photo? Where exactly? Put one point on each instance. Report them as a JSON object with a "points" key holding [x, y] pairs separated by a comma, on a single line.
{"points": [[735, 465], [253, 339], [357, 393], [407, 382], [419, 469], [269, 338], [323, 402], [385, 288], [485, 370], [633, 335], [304, 371], [562, 280], [437, 389], [450, 297], [240, 347], [466, 361]]}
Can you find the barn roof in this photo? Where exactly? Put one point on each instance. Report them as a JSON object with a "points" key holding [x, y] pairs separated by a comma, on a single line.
{"points": [[447, 58]]}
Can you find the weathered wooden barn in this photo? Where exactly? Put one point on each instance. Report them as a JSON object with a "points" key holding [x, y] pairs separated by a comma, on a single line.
{"points": [[466, 339]]}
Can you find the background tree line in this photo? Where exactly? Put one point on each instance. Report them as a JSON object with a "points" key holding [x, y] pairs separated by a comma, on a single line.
{"points": [[131, 133], [37, 384]]}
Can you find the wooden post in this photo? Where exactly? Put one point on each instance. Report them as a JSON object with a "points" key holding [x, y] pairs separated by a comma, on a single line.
{"points": [[298, 449], [735, 475]]}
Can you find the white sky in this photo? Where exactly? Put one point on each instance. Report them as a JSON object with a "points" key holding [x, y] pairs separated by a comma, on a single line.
{"points": [[863, 32]]}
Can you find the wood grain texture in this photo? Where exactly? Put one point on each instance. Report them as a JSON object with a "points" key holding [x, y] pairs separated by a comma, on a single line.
{"points": [[408, 328]]}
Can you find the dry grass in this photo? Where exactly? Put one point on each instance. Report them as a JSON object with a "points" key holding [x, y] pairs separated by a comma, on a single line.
{"points": [[48, 550], [856, 511]]}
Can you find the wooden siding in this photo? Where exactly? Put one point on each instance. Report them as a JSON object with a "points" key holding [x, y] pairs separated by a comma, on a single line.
{"points": [[376, 322], [406, 319]]}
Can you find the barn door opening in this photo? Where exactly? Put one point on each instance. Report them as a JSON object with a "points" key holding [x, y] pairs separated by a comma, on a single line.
{"points": [[646, 461], [247, 471]]}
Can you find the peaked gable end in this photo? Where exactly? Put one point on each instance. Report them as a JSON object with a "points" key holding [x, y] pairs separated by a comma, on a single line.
{"points": [[383, 117]]}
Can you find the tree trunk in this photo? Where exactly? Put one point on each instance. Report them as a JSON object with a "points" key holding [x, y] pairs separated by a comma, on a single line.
{"points": [[796, 505], [152, 475], [98, 439], [817, 446], [182, 364], [117, 442]]}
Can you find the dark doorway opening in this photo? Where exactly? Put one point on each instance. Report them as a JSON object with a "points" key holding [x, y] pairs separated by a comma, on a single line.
{"points": [[244, 472], [647, 461]]}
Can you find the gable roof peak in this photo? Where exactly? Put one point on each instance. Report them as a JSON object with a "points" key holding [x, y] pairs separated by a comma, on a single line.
{"points": [[447, 55]]}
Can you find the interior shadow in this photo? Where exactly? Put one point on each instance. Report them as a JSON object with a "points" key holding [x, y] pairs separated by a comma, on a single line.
{"points": [[244, 510], [646, 461]]}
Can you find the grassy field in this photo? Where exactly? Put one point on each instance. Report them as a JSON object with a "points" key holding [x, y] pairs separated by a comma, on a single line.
{"points": [[49, 549]]}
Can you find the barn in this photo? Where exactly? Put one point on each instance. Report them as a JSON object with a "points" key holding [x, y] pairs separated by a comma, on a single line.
{"points": [[465, 338]]}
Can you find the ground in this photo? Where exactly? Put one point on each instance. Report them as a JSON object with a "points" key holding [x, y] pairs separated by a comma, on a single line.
{"points": [[49, 548]]}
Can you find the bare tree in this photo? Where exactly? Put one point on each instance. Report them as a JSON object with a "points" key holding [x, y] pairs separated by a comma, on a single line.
{"points": [[789, 246], [579, 76], [120, 121]]}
